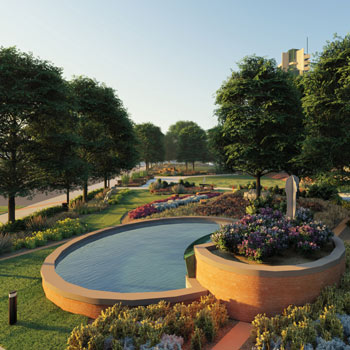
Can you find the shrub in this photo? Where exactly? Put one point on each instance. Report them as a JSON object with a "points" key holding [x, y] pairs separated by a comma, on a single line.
{"points": [[184, 210], [62, 229], [178, 189], [49, 212], [321, 325], [198, 339], [91, 195], [321, 190], [37, 223], [5, 243], [156, 185], [268, 233], [205, 322], [186, 183], [15, 226], [266, 202], [228, 204], [115, 199], [150, 327], [125, 179]]}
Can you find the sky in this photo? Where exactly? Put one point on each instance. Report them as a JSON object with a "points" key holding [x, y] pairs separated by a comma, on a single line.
{"points": [[166, 59]]}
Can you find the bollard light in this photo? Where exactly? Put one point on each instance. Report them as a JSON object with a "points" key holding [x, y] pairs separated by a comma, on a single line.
{"points": [[12, 307]]}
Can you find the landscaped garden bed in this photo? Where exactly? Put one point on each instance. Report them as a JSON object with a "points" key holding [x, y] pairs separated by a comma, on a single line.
{"points": [[269, 233], [158, 326], [267, 287], [54, 223], [168, 203], [320, 207], [321, 325], [180, 170], [136, 179], [164, 187]]}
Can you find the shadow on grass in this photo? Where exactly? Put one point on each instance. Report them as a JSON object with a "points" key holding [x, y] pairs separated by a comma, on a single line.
{"points": [[20, 276], [43, 327]]}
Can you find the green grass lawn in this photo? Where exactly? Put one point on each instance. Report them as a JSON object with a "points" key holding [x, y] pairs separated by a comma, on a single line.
{"points": [[3, 208], [235, 180], [112, 215], [182, 167], [41, 325]]}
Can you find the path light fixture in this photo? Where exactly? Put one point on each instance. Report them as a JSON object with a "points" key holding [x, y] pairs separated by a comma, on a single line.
{"points": [[13, 307]]}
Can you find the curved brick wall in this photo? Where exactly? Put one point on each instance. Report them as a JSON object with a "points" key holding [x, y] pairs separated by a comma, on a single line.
{"points": [[252, 289]]}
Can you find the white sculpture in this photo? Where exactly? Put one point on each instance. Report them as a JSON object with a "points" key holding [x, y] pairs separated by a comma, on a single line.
{"points": [[292, 185]]}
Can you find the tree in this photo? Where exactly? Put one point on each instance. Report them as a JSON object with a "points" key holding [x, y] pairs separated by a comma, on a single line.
{"points": [[172, 138], [192, 145], [119, 148], [216, 144], [261, 118], [107, 142], [151, 143], [327, 107], [33, 110]]}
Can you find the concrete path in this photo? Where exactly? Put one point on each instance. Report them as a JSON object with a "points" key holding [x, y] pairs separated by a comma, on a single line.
{"points": [[235, 338], [58, 200]]}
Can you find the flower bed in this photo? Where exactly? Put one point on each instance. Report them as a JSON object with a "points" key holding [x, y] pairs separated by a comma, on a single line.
{"points": [[231, 205], [62, 229], [170, 202], [154, 327], [268, 233], [324, 324]]}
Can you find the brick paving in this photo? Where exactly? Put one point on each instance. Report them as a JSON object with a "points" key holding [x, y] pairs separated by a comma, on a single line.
{"points": [[235, 338]]}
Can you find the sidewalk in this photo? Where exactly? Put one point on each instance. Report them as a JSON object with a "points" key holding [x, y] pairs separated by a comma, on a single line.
{"points": [[22, 212]]}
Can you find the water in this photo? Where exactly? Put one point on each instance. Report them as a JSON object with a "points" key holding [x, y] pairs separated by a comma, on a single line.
{"points": [[147, 259]]}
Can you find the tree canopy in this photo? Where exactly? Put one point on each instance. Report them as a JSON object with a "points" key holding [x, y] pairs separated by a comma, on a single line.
{"points": [[327, 107], [107, 141], [192, 145], [33, 111], [261, 118], [172, 138], [150, 143]]}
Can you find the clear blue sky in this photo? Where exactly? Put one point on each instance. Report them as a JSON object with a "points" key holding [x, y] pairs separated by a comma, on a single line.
{"points": [[166, 59]]}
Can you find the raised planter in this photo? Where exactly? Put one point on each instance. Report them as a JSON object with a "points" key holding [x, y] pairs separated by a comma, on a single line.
{"points": [[249, 290]]}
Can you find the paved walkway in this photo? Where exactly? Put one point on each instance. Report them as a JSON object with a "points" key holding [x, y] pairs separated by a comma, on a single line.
{"points": [[235, 338], [58, 200]]}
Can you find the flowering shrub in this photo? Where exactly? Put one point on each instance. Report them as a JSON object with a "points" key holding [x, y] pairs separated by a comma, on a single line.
{"points": [[268, 233], [155, 327], [62, 229], [168, 203], [229, 205], [323, 325]]}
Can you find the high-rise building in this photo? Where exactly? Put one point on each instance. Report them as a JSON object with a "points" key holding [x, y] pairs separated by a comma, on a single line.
{"points": [[295, 60]]}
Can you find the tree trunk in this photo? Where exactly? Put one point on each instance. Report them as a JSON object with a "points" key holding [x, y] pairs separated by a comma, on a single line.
{"points": [[85, 192], [105, 182], [193, 166], [147, 166], [109, 183], [11, 209], [186, 166], [67, 194], [258, 186]]}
